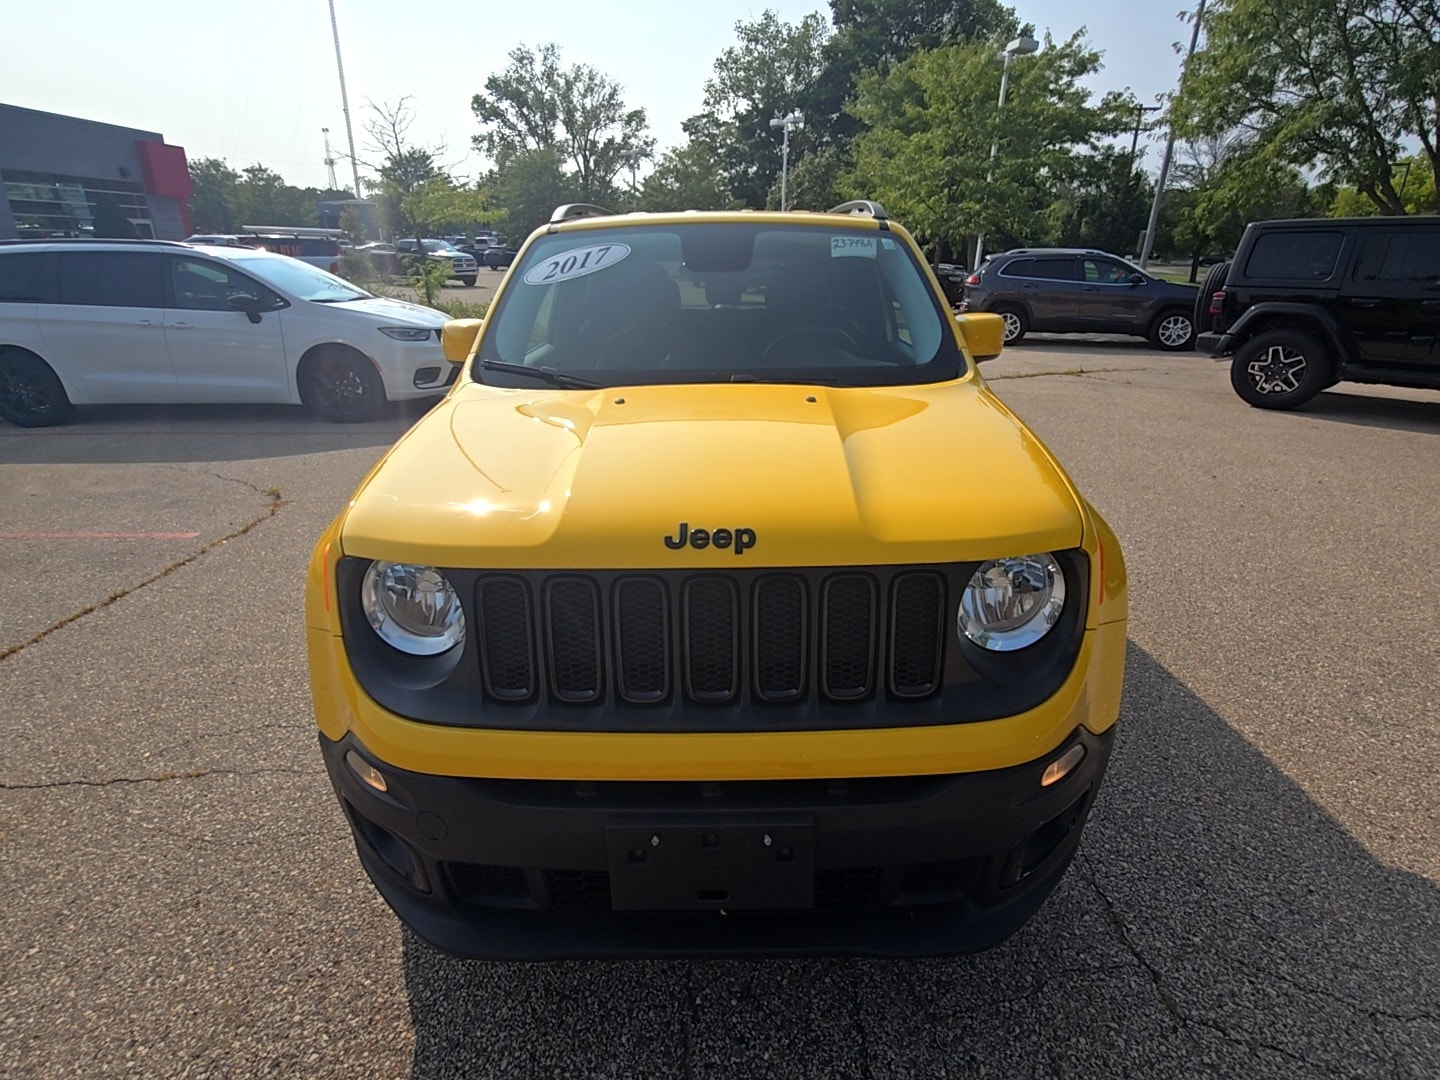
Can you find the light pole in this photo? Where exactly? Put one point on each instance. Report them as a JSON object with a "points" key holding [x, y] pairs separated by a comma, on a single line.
{"points": [[794, 122], [632, 158], [1149, 245], [1021, 46]]}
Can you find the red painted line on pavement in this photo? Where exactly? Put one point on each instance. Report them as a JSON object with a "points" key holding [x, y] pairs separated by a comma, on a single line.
{"points": [[98, 535]]}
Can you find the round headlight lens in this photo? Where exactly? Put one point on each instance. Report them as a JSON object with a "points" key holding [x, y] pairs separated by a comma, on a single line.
{"points": [[413, 608], [1012, 603]]}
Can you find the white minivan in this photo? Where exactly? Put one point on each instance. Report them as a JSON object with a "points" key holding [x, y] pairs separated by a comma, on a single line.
{"points": [[115, 322]]}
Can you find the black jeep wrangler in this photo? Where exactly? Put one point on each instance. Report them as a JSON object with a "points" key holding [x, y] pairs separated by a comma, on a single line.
{"points": [[1308, 303]]}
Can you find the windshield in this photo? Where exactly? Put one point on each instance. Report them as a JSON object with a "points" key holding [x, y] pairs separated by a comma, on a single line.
{"points": [[438, 245], [301, 280], [709, 302]]}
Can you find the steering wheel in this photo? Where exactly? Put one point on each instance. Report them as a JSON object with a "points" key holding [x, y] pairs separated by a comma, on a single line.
{"points": [[815, 338]]}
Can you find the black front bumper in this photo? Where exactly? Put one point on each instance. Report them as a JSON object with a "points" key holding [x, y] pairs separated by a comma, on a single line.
{"points": [[885, 866]]}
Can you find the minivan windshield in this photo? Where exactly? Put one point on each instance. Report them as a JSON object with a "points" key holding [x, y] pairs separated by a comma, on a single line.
{"points": [[720, 301], [301, 280]]}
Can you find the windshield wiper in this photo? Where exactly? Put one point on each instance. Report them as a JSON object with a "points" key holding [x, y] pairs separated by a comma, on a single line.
{"points": [[544, 374]]}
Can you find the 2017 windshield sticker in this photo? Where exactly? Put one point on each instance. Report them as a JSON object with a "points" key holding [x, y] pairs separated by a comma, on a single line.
{"points": [[852, 247], [577, 262]]}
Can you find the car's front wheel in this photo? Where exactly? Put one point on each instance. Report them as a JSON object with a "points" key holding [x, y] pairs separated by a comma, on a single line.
{"points": [[1016, 325], [341, 386], [31, 394], [1172, 331], [468, 280], [1280, 369]]}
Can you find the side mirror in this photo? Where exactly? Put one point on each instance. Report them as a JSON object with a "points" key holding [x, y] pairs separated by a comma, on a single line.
{"points": [[458, 339], [250, 305], [1136, 279], [983, 333]]}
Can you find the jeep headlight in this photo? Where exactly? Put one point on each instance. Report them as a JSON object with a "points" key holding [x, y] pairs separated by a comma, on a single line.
{"points": [[1011, 603], [413, 608]]}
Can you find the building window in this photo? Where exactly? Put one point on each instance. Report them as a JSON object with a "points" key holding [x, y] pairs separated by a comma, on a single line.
{"points": [[47, 205]]}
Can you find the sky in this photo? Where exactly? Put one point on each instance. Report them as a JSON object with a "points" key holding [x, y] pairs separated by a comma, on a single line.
{"points": [[257, 81]]}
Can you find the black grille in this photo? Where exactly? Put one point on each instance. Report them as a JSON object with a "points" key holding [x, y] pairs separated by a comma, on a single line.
{"points": [[478, 884], [711, 639], [857, 887]]}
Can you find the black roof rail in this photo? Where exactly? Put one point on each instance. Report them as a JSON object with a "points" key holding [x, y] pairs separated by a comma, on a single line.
{"points": [[571, 211], [862, 208]]}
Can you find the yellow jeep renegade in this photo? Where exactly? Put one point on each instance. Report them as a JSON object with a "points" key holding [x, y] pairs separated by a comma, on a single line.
{"points": [[719, 609]]}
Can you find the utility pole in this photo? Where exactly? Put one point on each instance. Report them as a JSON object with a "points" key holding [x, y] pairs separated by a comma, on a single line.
{"points": [[345, 101], [1169, 148]]}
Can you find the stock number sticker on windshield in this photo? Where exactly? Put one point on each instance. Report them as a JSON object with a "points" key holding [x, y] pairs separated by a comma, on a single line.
{"points": [[576, 262], [852, 247]]}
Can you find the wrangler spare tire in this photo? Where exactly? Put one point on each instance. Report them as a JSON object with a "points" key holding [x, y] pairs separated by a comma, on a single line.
{"points": [[1213, 283]]}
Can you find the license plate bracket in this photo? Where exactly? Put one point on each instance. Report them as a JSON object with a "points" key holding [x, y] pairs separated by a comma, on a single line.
{"points": [[705, 864]]}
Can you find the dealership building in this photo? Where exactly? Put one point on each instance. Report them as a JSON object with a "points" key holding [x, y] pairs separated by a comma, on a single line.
{"points": [[62, 176]]}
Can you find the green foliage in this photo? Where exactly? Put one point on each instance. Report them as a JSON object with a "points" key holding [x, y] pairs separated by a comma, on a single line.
{"points": [[1414, 184], [1105, 205], [688, 178], [576, 114], [1340, 85], [224, 199], [528, 186], [460, 309], [774, 70], [931, 121], [428, 277]]}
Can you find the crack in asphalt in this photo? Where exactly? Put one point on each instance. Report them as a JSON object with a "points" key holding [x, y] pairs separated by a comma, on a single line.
{"points": [[1171, 1004], [276, 502], [160, 778]]}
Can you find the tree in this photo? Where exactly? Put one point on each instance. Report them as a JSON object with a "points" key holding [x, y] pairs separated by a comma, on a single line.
{"points": [[528, 187], [774, 70], [1105, 204], [1340, 85], [688, 178], [576, 112], [930, 123], [213, 183]]}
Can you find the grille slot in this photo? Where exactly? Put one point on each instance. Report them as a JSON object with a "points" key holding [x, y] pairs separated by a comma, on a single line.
{"points": [[779, 638], [573, 626], [507, 663], [712, 645], [642, 633], [578, 890], [848, 637], [917, 628]]}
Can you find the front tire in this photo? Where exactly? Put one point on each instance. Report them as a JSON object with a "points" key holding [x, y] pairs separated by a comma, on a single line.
{"points": [[1016, 325], [1173, 331], [341, 386], [1280, 369], [31, 394], [468, 280]]}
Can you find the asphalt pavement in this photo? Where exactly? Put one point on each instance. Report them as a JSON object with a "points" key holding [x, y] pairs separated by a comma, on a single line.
{"points": [[1256, 896]]}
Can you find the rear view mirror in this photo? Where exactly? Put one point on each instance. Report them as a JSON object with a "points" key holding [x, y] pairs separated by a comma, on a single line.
{"points": [[458, 339]]}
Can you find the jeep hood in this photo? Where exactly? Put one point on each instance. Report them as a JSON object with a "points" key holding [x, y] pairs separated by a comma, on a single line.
{"points": [[600, 479]]}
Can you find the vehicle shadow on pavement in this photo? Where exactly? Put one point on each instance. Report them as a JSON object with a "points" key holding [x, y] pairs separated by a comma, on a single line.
{"points": [[176, 434], [1218, 922], [1366, 410]]}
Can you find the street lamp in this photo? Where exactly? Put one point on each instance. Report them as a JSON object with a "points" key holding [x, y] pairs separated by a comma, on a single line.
{"points": [[1021, 46], [794, 122], [632, 159]]}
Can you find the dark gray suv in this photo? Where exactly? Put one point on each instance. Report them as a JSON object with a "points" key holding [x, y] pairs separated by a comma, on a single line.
{"points": [[1079, 291]]}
